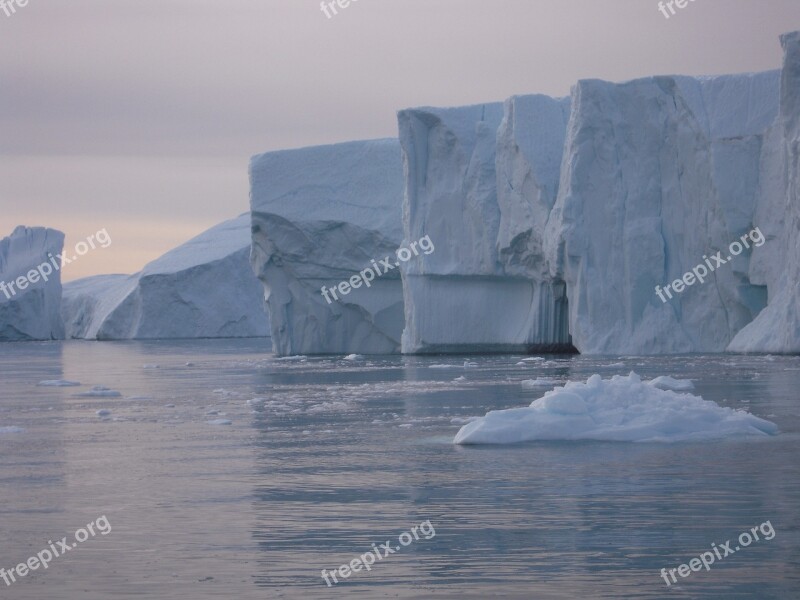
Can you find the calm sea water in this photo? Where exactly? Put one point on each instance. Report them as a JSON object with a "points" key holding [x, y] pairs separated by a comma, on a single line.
{"points": [[329, 456]]}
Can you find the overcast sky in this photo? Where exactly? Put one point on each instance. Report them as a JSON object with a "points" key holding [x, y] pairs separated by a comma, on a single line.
{"points": [[140, 117]]}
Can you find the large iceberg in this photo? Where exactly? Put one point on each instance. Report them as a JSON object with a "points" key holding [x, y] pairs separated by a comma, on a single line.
{"points": [[622, 409], [30, 285], [777, 263], [320, 216], [659, 173], [201, 289], [480, 182]]}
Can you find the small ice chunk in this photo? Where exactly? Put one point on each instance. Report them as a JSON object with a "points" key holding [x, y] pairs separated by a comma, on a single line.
{"points": [[58, 383], [220, 422], [441, 366], [665, 382], [98, 391], [292, 358], [11, 429], [470, 365], [353, 357], [542, 382], [103, 412], [461, 378]]}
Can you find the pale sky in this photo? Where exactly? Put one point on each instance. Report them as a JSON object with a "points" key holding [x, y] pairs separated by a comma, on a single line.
{"points": [[140, 117]]}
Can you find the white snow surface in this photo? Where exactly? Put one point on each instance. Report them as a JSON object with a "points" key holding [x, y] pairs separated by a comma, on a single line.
{"points": [[622, 408], [204, 288], [32, 313], [320, 216]]}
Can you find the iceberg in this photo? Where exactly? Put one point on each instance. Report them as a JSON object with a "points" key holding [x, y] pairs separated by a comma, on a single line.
{"points": [[31, 311], [320, 215], [657, 174], [621, 409], [204, 288], [480, 181], [777, 263]]}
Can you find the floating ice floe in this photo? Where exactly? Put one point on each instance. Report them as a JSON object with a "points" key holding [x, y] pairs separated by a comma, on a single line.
{"points": [[98, 391], [353, 357], [58, 383], [622, 408], [103, 412], [542, 382], [220, 422], [670, 383], [11, 429]]}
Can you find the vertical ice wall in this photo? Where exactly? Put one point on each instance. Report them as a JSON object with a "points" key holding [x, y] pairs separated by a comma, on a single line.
{"points": [[319, 216], [30, 308], [777, 263], [657, 174], [479, 182]]}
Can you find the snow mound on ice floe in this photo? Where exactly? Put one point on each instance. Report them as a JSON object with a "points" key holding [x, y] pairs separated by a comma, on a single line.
{"points": [[616, 409], [670, 383]]}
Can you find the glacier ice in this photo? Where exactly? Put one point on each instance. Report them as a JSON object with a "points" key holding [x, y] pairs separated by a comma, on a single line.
{"points": [[657, 174], [204, 288], [32, 313], [480, 182], [777, 263], [622, 409], [319, 216]]}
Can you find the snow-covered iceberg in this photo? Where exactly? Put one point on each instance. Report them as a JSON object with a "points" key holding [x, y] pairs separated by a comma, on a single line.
{"points": [[30, 299], [622, 408], [204, 288], [480, 182], [777, 263], [320, 215]]}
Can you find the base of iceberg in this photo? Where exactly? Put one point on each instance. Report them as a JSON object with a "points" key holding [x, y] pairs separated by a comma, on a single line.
{"points": [[622, 409]]}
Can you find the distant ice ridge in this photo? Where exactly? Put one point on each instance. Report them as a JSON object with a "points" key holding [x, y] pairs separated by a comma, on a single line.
{"points": [[777, 263], [204, 288], [622, 409], [320, 215], [32, 313]]}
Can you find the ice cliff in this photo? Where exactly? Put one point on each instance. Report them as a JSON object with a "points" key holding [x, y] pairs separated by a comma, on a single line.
{"points": [[481, 181], [204, 288], [777, 263], [319, 216], [657, 174], [30, 311]]}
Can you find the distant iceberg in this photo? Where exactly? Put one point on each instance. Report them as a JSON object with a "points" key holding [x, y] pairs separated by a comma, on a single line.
{"points": [[622, 409], [204, 288], [31, 312], [320, 215]]}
